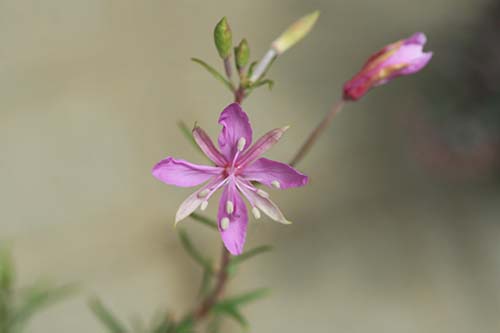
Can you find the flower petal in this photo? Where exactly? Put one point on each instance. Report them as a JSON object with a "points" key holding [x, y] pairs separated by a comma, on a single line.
{"points": [[232, 222], [418, 38], [235, 125], [263, 203], [208, 147], [260, 146], [274, 174], [182, 173], [194, 200]]}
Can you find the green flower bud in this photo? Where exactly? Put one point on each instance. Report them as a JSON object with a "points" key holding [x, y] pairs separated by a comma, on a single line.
{"points": [[223, 38], [298, 30], [242, 54]]}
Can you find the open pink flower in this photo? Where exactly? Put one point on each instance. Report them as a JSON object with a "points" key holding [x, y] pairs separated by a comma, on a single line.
{"points": [[404, 57], [237, 166]]}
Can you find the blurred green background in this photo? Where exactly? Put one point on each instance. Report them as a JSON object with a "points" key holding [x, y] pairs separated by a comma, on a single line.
{"points": [[399, 230]]}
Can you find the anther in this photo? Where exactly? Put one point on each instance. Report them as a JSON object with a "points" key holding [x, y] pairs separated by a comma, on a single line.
{"points": [[204, 205], [276, 184], [262, 193], [224, 223], [256, 212], [241, 143], [229, 207]]}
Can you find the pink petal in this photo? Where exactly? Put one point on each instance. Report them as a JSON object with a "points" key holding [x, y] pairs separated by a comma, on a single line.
{"points": [[261, 146], [235, 125], [264, 204], [194, 200], [182, 173], [235, 234], [417, 38], [207, 146], [274, 174]]}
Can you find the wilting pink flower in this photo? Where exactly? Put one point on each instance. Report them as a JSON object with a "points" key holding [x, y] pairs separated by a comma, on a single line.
{"points": [[237, 166], [401, 58]]}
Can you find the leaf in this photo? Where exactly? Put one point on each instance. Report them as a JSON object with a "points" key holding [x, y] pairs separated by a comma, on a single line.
{"points": [[34, 299], [231, 311], [185, 326], [6, 287], [206, 281], [106, 317], [6, 271], [245, 298], [204, 220], [188, 134], [214, 73], [236, 260], [251, 68], [193, 252], [270, 84]]}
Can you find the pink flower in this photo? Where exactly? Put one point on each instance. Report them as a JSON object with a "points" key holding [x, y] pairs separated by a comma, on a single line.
{"points": [[237, 166], [401, 58]]}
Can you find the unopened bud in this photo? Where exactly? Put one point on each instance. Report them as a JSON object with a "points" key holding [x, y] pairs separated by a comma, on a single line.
{"points": [[223, 38], [242, 54], [295, 32]]}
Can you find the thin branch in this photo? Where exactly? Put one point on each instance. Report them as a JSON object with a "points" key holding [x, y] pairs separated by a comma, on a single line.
{"points": [[313, 137]]}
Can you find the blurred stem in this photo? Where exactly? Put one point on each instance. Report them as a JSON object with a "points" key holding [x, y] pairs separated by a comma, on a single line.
{"points": [[220, 284], [313, 137], [239, 95], [227, 68]]}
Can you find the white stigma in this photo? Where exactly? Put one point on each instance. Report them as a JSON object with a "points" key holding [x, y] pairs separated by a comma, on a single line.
{"points": [[276, 184], [229, 207], [203, 193], [256, 212], [262, 193], [224, 223], [204, 205], [241, 143]]}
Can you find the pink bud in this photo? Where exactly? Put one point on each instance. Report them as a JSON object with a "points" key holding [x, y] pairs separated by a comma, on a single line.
{"points": [[397, 59]]}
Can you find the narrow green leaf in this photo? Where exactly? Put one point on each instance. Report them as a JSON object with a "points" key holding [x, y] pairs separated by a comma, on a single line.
{"points": [[214, 73], [185, 326], [270, 84], [106, 317], [232, 312], [250, 254], [206, 281], [244, 298], [251, 68], [6, 271], [204, 220], [188, 134], [193, 252], [36, 298], [215, 324], [6, 288]]}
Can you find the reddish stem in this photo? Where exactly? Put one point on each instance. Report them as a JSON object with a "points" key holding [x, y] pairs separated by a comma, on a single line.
{"points": [[208, 303]]}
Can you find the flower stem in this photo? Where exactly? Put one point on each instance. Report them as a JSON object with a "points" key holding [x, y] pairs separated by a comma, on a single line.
{"points": [[220, 284], [227, 68], [239, 95], [313, 137]]}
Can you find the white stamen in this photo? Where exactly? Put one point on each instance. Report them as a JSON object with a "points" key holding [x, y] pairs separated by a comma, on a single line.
{"points": [[241, 143], [204, 205], [276, 184], [229, 207], [262, 193], [256, 212], [203, 193], [224, 223]]}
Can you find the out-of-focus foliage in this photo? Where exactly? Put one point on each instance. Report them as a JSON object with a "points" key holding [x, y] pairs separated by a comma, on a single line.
{"points": [[17, 306]]}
